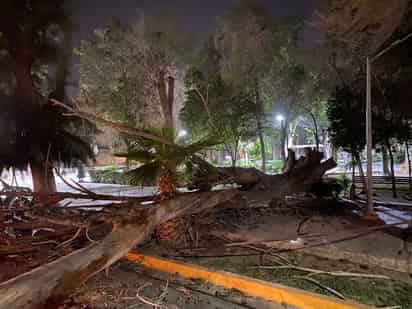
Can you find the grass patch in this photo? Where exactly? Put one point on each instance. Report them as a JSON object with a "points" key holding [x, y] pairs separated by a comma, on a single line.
{"points": [[374, 292]]}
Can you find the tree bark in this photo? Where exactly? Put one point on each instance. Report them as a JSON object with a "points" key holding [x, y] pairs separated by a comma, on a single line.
{"points": [[409, 167], [302, 174], [353, 185], [315, 133], [385, 161], [43, 178], [262, 145], [362, 174], [47, 285], [259, 114], [283, 140], [394, 193], [25, 92], [290, 161], [112, 125], [166, 95]]}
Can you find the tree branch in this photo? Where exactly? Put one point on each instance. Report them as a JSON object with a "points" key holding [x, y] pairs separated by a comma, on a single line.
{"points": [[76, 112]]}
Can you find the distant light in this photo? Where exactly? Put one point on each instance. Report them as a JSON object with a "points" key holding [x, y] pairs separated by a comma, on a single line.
{"points": [[280, 118], [182, 133]]}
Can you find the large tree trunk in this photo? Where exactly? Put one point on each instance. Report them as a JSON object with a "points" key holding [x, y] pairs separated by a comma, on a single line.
{"points": [[315, 133], [25, 92], [165, 87], [259, 114], [43, 179], [233, 152], [47, 285], [262, 145], [353, 185], [408, 156], [391, 160], [28, 100], [290, 161], [283, 140], [358, 162], [299, 177], [385, 161]]}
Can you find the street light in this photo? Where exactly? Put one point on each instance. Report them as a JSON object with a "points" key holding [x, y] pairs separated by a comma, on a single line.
{"points": [[182, 133], [280, 118]]}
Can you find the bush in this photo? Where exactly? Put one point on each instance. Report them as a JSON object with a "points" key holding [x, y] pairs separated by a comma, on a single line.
{"points": [[277, 165], [109, 175], [345, 182], [327, 188], [398, 157]]}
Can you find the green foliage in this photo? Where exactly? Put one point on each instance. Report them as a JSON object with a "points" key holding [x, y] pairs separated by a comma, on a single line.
{"points": [[212, 107], [158, 160], [327, 188], [276, 165], [108, 175], [346, 119], [255, 151], [53, 138], [31, 37], [120, 67], [345, 182], [399, 157], [112, 76]]}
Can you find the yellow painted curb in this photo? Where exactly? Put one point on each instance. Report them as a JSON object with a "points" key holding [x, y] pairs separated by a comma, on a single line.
{"points": [[252, 287]]}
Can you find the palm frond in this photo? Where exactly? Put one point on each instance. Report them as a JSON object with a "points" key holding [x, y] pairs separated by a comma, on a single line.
{"points": [[145, 175], [203, 167], [70, 148], [201, 145], [142, 156]]}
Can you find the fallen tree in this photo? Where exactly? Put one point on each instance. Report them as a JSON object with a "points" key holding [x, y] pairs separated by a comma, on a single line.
{"points": [[299, 175], [133, 223], [48, 285], [45, 286]]}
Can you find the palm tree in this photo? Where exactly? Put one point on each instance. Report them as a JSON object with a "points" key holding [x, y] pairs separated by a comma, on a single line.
{"points": [[167, 166]]}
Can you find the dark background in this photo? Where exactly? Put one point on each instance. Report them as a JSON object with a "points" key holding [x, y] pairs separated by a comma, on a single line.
{"points": [[197, 16]]}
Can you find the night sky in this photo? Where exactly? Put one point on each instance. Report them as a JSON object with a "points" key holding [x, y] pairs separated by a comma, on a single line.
{"points": [[197, 15]]}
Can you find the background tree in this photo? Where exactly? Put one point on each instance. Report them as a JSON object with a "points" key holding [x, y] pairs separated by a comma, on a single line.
{"points": [[363, 26], [31, 33], [245, 41], [112, 82], [288, 78], [144, 61], [213, 107], [133, 73], [347, 123], [356, 29]]}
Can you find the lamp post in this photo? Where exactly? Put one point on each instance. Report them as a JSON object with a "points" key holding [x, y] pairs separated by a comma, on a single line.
{"points": [[369, 62], [369, 189]]}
